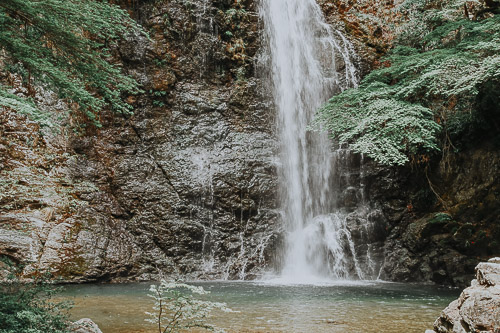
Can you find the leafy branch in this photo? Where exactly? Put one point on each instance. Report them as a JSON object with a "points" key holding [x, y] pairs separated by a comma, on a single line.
{"points": [[177, 308], [429, 82], [66, 46]]}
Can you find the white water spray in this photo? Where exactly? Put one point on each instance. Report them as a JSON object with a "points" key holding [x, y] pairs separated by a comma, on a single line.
{"points": [[309, 61]]}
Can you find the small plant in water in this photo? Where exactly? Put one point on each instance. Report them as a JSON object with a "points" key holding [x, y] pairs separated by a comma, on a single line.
{"points": [[177, 308]]}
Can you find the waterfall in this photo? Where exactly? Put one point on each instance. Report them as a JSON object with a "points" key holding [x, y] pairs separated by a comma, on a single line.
{"points": [[308, 61]]}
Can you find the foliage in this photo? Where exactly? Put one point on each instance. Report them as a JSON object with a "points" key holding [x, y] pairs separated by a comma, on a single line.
{"points": [[27, 307], [177, 308], [24, 106], [65, 45], [432, 80], [379, 125], [440, 218]]}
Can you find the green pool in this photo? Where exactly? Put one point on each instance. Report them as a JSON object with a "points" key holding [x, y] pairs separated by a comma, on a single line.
{"points": [[267, 307]]}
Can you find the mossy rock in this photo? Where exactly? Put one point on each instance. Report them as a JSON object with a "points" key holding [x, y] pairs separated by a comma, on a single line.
{"points": [[440, 223]]}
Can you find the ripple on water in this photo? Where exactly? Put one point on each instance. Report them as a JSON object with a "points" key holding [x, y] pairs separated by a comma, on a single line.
{"points": [[266, 307]]}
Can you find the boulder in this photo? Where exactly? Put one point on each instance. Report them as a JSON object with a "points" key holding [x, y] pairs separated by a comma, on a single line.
{"points": [[85, 325], [478, 307]]}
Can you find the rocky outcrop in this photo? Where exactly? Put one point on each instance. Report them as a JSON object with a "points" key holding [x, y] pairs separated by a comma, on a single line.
{"points": [[441, 224], [478, 307], [440, 215], [187, 184]]}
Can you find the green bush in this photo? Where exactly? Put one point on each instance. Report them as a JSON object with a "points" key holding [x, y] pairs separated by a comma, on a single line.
{"points": [[437, 83], [28, 307], [178, 308], [65, 46]]}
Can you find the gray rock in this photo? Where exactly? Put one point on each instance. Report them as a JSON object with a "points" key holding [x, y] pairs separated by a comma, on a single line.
{"points": [[14, 244], [185, 186], [488, 274], [85, 325], [478, 307], [495, 260]]}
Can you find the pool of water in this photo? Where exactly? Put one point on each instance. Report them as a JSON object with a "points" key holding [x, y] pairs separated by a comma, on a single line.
{"points": [[271, 307]]}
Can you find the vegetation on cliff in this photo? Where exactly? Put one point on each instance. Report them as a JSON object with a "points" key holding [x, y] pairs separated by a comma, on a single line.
{"points": [[65, 46], [439, 83]]}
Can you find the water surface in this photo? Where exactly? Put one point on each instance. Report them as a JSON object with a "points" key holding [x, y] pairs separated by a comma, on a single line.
{"points": [[267, 307]]}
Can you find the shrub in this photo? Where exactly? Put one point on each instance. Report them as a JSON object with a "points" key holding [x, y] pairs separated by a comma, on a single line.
{"points": [[65, 46], [177, 308], [28, 307]]}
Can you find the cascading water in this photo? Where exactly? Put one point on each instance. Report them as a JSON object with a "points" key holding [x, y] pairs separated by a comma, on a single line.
{"points": [[309, 62]]}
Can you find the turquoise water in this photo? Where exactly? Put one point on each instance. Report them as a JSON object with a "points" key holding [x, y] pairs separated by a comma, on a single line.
{"points": [[263, 307]]}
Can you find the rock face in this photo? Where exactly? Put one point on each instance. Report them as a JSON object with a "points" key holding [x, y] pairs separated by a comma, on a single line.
{"points": [[187, 185], [478, 308], [440, 219], [440, 234]]}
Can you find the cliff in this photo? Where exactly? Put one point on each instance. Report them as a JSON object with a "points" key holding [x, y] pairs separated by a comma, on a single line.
{"points": [[187, 184]]}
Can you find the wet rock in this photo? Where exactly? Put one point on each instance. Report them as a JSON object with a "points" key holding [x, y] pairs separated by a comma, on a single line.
{"points": [[85, 325], [478, 307], [187, 185], [134, 47], [350, 197]]}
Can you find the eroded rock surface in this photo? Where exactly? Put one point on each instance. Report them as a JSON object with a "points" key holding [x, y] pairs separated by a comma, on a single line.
{"points": [[187, 185], [478, 307]]}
